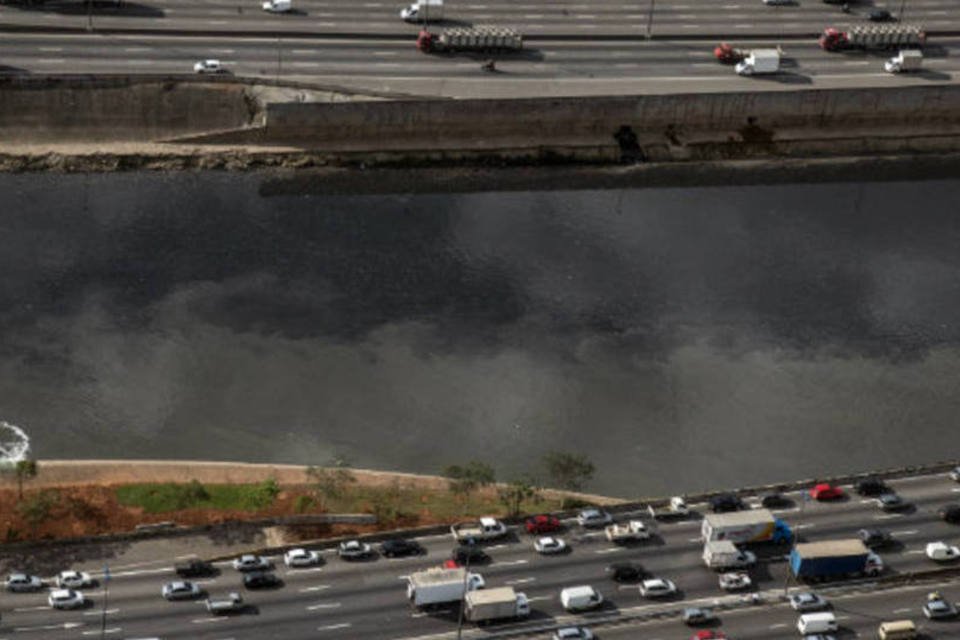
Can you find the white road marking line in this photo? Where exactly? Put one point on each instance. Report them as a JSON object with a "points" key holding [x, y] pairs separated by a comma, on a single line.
{"points": [[19, 609], [779, 625], [903, 610], [51, 49], [206, 620], [888, 516], [538, 598], [324, 605], [608, 550], [319, 587], [915, 551], [97, 613], [331, 627], [805, 525], [911, 532], [509, 563], [520, 581], [92, 632]]}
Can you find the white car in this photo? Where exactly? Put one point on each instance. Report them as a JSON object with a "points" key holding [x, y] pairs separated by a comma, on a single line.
{"points": [[955, 474], [249, 562], [180, 590], [549, 545], [353, 549], [74, 580], [19, 582], [657, 588], [734, 581], [808, 601], [475, 581], [573, 633], [594, 518], [66, 599], [208, 66], [301, 558], [942, 552]]}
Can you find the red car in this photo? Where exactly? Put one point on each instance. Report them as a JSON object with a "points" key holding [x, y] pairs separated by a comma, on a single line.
{"points": [[451, 564], [542, 523], [826, 491], [708, 634]]}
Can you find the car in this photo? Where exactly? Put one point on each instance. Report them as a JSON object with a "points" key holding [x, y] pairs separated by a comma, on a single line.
{"points": [[891, 502], [250, 562], [626, 571], [657, 588], [942, 552], [573, 633], [734, 581], [74, 580], [725, 502], [594, 518], [879, 15], [808, 601], [66, 599], [708, 634], [354, 550], [180, 590], [451, 564], [193, 569], [826, 491], [871, 487], [260, 580], [208, 66], [955, 474], [549, 545], [542, 523], [469, 554], [301, 558], [773, 500], [396, 547], [697, 615], [20, 582], [875, 538], [950, 513], [937, 608]]}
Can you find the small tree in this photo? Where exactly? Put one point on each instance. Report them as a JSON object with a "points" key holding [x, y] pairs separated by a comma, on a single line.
{"points": [[38, 508], [330, 483], [513, 494], [464, 480], [569, 471], [25, 469]]}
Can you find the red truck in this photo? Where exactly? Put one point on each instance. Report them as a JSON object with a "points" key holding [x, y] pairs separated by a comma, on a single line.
{"points": [[726, 54]]}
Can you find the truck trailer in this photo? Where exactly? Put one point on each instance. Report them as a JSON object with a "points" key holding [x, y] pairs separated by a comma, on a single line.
{"points": [[495, 604], [872, 37], [479, 38], [745, 527], [439, 586], [834, 559]]}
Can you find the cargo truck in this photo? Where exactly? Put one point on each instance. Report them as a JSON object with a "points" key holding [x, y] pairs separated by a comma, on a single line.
{"points": [[495, 604], [423, 11], [872, 37], [479, 38], [834, 559], [485, 529], [759, 62], [723, 554], [906, 60], [745, 527], [439, 586], [630, 532], [278, 6]]}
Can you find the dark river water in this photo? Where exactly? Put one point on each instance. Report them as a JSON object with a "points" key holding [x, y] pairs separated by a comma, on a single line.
{"points": [[682, 338]]}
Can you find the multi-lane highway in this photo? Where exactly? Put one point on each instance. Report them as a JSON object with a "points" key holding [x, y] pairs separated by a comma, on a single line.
{"points": [[367, 599]]}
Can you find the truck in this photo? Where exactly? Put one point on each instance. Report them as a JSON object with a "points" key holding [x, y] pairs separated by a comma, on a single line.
{"points": [[758, 62], [630, 532], [495, 604], [278, 6], [439, 586], [728, 54], [423, 11], [676, 508], [906, 60], [872, 37], [745, 527], [486, 528], [834, 559], [479, 38], [232, 603], [723, 554]]}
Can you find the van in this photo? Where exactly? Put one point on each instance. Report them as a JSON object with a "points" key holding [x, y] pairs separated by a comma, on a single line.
{"points": [[897, 630], [580, 598], [423, 11], [822, 622]]}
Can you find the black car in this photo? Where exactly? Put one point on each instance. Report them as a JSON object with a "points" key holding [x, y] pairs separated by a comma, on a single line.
{"points": [[466, 553], [874, 538], [774, 499], [892, 502], [193, 569], [400, 547], [260, 580], [871, 487], [626, 571], [950, 513], [725, 502], [879, 15]]}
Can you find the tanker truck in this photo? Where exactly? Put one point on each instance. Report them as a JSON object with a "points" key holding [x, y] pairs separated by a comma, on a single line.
{"points": [[872, 37]]}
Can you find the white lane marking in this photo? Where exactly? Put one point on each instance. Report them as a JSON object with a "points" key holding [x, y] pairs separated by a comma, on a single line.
{"points": [[866, 501], [403, 577], [101, 612], [52, 49], [536, 598], [141, 50], [47, 627], [609, 550], [911, 532], [319, 587], [509, 563], [421, 614], [805, 525], [206, 620], [903, 610], [331, 627], [92, 632], [915, 551], [698, 539], [888, 516], [955, 489], [324, 605], [779, 625], [19, 609], [520, 581]]}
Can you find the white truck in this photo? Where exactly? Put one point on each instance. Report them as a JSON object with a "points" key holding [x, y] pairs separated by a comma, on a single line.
{"points": [[677, 508], [423, 11], [232, 603], [630, 532], [495, 604], [758, 62], [486, 529], [439, 586], [906, 60], [723, 554], [278, 6]]}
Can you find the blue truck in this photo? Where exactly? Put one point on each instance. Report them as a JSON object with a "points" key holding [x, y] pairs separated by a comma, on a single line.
{"points": [[834, 559]]}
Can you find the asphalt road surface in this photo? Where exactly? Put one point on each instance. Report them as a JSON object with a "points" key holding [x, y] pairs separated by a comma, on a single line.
{"points": [[367, 599]]}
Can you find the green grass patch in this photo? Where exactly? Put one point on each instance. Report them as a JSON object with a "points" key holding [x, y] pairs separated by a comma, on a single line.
{"points": [[170, 496]]}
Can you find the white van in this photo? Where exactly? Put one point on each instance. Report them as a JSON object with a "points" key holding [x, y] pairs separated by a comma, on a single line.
{"points": [[821, 622], [423, 11], [580, 598], [897, 630]]}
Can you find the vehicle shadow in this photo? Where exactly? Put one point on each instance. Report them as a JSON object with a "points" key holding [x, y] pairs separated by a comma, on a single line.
{"points": [[49, 560], [786, 77], [933, 76], [6, 70], [102, 8]]}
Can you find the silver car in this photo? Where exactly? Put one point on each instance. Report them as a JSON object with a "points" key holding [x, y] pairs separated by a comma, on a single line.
{"points": [[74, 580], [21, 582], [180, 590], [66, 599]]}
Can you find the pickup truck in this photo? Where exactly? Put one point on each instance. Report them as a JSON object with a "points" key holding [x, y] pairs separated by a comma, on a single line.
{"points": [[232, 603], [193, 568], [486, 529], [630, 532], [677, 508]]}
